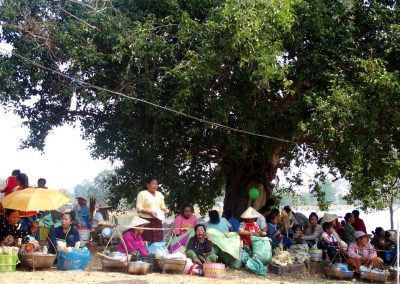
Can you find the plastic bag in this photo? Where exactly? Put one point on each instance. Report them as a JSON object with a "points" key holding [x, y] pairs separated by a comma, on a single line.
{"points": [[261, 249], [158, 249], [229, 260], [253, 265]]}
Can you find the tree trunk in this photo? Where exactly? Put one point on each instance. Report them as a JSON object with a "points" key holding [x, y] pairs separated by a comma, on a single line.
{"points": [[243, 175], [391, 213]]}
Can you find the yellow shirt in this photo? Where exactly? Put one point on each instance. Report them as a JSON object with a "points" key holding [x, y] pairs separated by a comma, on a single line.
{"points": [[147, 201]]}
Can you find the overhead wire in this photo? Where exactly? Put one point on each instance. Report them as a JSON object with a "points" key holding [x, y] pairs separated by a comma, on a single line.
{"points": [[88, 85]]}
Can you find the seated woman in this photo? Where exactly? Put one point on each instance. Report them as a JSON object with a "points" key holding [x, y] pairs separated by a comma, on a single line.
{"points": [[249, 226], [82, 213], [274, 229], [66, 232], [34, 229], [313, 232], [10, 230], [185, 221], [382, 243], [100, 220], [199, 248], [218, 223], [362, 252], [348, 230], [133, 237], [232, 220]]}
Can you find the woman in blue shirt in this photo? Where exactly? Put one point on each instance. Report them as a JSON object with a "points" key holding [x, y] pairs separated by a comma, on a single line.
{"points": [[219, 223], [66, 232]]}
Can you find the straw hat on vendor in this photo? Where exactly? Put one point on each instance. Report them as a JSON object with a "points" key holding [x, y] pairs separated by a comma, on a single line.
{"points": [[251, 213], [132, 238], [249, 227], [328, 218]]}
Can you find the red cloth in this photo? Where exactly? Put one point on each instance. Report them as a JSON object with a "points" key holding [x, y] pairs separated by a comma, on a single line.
{"points": [[359, 225], [10, 185], [26, 213]]}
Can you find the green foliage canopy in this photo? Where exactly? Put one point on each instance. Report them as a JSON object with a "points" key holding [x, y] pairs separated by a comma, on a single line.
{"points": [[323, 74]]}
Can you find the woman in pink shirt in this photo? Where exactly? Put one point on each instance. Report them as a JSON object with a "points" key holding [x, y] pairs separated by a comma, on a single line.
{"points": [[362, 253], [185, 221], [133, 237]]}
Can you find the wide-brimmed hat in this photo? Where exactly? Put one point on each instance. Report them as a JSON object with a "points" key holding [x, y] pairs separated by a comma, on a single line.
{"points": [[359, 234], [250, 213], [137, 221], [327, 218], [102, 205], [81, 197]]}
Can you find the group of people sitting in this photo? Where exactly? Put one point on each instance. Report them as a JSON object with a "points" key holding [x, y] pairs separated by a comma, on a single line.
{"points": [[348, 241]]}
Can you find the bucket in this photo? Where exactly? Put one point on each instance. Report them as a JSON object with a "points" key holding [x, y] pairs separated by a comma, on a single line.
{"points": [[84, 236]]}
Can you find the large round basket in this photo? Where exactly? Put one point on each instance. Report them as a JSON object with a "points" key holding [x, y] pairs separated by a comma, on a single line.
{"points": [[339, 274], [35, 261], [214, 270], [315, 255], [374, 276], [170, 265]]}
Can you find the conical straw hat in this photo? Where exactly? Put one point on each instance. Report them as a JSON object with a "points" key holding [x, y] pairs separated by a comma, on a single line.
{"points": [[137, 221], [328, 218], [251, 213]]}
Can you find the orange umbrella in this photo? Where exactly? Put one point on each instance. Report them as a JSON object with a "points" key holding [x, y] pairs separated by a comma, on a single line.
{"points": [[35, 199]]}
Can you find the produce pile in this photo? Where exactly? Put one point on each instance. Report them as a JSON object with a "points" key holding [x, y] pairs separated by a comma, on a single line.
{"points": [[281, 257]]}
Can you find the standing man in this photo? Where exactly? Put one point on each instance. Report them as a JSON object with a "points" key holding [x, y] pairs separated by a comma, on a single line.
{"points": [[358, 224]]}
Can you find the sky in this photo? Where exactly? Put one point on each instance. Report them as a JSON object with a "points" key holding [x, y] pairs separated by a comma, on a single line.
{"points": [[66, 160]]}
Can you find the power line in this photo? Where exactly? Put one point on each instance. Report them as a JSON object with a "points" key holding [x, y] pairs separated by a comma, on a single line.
{"points": [[88, 85]]}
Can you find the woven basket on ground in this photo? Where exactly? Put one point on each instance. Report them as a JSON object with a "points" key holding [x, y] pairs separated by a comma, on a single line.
{"points": [[214, 270]]}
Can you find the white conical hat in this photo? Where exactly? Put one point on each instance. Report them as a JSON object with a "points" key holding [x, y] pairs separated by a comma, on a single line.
{"points": [[137, 221], [251, 213], [328, 218]]}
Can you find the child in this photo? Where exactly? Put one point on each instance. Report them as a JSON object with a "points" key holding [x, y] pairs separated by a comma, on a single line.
{"points": [[274, 230], [250, 227], [328, 242], [298, 235], [133, 237]]}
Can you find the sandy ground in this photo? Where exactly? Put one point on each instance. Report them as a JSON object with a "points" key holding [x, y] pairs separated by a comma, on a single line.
{"points": [[93, 274]]}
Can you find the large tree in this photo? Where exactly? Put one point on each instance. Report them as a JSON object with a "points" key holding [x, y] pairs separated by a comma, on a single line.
{"points": [[322, 76]]}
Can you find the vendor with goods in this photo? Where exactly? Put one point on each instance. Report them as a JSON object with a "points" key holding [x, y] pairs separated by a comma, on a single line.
{"points": [[185, 221], [66, 233], [133, 237], [100, 220], [199, 248], [151, 206], [361, 253], [313, 232], [82, 213], [249, 226], [10, 229]]}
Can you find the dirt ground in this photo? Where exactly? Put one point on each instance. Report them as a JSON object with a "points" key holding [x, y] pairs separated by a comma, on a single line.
{"points": [[93, 274]]}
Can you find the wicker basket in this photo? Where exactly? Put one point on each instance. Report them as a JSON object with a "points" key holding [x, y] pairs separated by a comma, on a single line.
{"points": [[374, 277], [170, 265], [37, 260], [315, 255], [339, 274], [108, 262], [214, 270]]}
